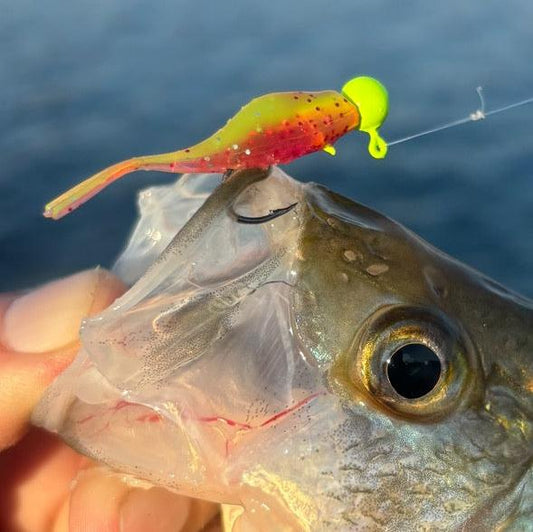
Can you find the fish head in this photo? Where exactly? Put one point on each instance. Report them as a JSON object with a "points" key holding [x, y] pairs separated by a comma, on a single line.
{"points": [[322, 369]]}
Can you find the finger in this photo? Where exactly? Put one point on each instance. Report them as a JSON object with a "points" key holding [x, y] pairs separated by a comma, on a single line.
{"points": [[35, 478], [43, 489], [39, 338], [100, 500]]}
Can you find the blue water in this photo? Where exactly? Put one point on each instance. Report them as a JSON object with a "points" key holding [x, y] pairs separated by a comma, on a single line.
{"points": [[88, 83]]}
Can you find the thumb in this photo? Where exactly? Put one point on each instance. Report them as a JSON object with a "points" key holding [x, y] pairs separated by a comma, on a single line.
{"points": [[39, 339]]}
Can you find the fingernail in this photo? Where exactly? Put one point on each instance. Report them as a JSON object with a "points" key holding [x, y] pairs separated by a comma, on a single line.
{"points": [[49, 317]]}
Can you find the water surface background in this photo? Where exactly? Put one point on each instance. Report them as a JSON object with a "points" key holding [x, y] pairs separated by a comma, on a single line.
{"points": [[89, 83]]}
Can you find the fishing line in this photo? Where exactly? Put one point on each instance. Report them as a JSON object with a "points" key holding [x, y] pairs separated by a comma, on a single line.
{"points": [[479, 114]]}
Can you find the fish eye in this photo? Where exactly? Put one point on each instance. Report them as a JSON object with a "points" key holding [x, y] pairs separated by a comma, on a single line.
{"points": [[413, 370], [414, 361]]}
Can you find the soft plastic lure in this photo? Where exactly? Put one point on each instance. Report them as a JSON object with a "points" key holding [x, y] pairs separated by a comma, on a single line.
{"points": [[272, 129]]}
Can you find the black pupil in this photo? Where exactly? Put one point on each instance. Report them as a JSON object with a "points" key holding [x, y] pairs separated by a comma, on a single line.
{"points": [[413, 370]]}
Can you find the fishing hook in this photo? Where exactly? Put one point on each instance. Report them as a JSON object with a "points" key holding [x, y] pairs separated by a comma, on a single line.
{"points": [[272, 215]]}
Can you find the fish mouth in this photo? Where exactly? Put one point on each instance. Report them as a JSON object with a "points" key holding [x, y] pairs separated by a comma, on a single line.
{"points": [[198, 361]]}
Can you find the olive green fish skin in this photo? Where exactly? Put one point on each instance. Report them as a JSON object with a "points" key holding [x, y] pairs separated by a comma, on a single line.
{"points": [[461, 463]]}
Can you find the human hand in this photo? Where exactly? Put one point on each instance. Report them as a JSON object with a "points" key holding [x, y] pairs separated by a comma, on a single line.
{"points": [[44, 484]]}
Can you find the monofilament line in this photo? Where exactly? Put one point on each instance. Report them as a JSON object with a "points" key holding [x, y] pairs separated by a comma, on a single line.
{"points": [[479, 114]]}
